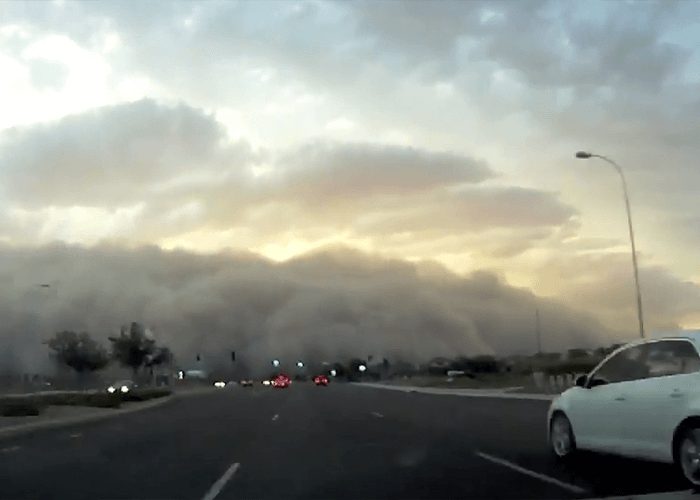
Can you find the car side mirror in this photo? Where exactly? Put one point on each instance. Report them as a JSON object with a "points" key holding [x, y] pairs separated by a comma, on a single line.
{"points": [[581, 381], [595, 382]]}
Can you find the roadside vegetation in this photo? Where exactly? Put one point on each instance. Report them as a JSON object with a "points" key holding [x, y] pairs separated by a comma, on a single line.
{"points": [[133, 348], [484, 372], [34, 404]]}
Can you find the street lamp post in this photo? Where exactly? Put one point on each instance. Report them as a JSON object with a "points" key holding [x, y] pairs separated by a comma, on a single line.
{"points": [[584, 156]]}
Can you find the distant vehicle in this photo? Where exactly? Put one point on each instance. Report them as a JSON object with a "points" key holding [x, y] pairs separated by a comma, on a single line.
{"points": [[642, 401], [220, 384], [122, 386], [246, 383], [321, 380], [281, 381]]}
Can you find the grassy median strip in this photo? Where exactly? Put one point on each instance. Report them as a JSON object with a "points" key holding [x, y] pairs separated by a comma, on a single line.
{"points": [[33, 404]]}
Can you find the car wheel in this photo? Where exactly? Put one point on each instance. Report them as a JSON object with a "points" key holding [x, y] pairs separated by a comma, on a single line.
{"points": [[688, 454], [561, 436]]}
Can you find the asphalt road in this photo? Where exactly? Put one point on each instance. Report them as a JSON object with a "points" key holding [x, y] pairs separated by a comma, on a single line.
{"points": [[342, 441]]}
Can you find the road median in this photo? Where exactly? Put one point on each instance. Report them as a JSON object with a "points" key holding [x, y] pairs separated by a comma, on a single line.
{"points": [[66, 415]]}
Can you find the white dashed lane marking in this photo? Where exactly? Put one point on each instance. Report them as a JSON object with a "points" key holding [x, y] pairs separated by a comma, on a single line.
{"points": [[9, 449], [221, 482], [275, 417], [377, 414]]}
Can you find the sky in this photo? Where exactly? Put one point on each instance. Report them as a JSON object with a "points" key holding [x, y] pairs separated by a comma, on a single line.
{"points": [[416, 131]]}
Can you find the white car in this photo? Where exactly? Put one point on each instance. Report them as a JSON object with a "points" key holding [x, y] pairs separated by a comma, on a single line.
{"points": [[642, 401]]}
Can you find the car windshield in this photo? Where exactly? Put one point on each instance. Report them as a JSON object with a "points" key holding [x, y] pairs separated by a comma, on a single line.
{"points": [[358, 249]]}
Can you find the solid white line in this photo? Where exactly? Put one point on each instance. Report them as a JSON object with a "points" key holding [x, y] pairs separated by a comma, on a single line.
{"points": [[377, 414], [221, 482], [275, 417], [76, 435], [569, 487], [9, 449], [471, 393]]}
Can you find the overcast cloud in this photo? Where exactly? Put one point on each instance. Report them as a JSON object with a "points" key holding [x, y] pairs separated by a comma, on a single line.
{"points": [[417, 131]]}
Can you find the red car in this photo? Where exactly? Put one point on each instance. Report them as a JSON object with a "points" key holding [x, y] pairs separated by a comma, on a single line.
{"points": [[281, 381], [321, 380]]}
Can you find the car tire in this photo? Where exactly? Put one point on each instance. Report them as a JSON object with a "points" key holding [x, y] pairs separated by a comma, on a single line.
{"points": [[561, 437], [687, 453]]}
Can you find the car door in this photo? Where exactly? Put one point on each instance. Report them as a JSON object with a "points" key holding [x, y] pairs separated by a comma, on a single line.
{"points": [[658, 402], [599, 411]]}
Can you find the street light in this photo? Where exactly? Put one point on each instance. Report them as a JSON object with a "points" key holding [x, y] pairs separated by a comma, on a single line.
{"points": [[300, 364], [275, 362], [583, 155], [362, 368]]}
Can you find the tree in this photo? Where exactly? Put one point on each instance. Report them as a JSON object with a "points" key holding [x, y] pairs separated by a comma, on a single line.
{"points": [[160, 356], [79, 351], [133, 347], [577, 353]]}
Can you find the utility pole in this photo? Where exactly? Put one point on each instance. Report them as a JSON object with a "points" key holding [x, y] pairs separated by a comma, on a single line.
{"points": [[537, 332]]}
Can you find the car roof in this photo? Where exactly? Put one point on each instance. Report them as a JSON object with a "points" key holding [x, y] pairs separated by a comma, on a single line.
{"points": [[692, 335]]}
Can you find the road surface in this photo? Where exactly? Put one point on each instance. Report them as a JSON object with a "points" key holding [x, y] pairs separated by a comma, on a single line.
{"points": [[341, 441]]}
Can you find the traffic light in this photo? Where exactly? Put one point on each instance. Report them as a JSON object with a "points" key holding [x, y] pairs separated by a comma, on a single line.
{"points": [[199, 358], [233, 355]]}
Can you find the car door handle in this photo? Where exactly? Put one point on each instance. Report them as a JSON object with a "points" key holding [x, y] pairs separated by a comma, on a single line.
{"points": [[620, 398]]}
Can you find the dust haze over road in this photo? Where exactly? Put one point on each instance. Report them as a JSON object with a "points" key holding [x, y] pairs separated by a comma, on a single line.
{"points": [[332, 304]]}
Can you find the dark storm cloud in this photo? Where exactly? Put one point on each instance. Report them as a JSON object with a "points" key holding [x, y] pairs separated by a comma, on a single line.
{"points": [[335, 304], [604, 283]]}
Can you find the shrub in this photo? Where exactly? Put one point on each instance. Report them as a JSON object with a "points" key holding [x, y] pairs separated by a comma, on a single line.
{"points": [[19, 408], [32, 404], [100, 400], [94, 399], [146, 394], [574, 366]]}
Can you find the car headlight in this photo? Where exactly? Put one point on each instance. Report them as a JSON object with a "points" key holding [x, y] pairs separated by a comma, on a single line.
{"points": [[124, 389], [111, 389], [219, 384]]}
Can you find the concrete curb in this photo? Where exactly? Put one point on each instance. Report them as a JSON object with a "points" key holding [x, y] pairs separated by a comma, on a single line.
{"points": [[17, 430], [473, 393]]}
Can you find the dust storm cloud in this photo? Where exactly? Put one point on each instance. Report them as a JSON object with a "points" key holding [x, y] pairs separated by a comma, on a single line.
{"points": [[329, 305]]}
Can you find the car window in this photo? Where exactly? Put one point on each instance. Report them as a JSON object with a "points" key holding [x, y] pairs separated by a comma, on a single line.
{"points": [[628, 364], [672, 357]]}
